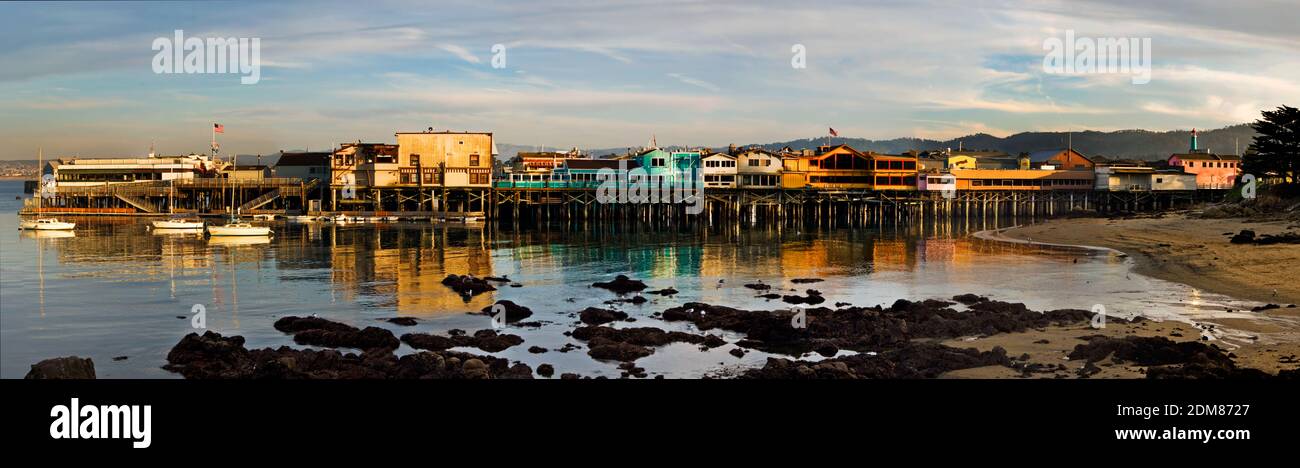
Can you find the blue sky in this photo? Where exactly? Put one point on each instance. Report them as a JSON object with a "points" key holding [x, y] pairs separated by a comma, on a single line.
{"points": [[78, 79]]}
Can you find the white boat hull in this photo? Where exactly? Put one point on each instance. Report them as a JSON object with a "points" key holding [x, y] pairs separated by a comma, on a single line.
{"points": [[178, 224], [239, 230], [46, 225]]}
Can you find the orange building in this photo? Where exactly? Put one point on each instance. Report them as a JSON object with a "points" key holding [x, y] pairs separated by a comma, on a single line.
{"points": [[841, 167]]}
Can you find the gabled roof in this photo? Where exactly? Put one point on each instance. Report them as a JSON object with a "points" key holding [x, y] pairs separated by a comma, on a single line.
{"points": [[1048, 155], [822, 151], [758, 151], [303, 159], [720, 155]]}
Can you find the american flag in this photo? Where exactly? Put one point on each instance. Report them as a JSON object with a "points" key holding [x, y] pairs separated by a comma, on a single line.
{"points": [[216, 127], [834, 133]]}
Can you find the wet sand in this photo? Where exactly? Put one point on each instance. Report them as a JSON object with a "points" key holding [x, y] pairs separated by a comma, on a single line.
{"points": [[1195, 252], [1191, 251], [1050, 347]]}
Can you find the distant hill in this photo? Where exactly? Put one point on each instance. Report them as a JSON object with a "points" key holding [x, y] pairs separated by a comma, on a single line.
{"points": [[1128, 144], [1132, 144]]}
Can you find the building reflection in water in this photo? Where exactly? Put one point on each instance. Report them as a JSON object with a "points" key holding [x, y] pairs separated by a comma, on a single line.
{"points": [[400, 267]]}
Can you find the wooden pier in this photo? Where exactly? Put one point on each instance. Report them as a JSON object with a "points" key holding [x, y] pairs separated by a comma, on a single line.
{"points": [[541, 206]]}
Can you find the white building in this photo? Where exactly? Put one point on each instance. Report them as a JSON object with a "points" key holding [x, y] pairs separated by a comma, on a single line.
{"points": [[758, 168], [719, 171], [93, 172], [937, 182], [1123, 178], [1172, 181]]}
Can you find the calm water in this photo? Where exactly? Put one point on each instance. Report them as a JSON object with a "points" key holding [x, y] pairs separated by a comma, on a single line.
{"points": [[115, 289]]}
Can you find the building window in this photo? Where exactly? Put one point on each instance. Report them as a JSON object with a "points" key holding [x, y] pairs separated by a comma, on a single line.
{"points": [[657, 162], [415, 160], [473, 160]]}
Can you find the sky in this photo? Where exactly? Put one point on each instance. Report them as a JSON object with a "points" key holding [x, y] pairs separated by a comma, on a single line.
{"points": [[79, 77]]}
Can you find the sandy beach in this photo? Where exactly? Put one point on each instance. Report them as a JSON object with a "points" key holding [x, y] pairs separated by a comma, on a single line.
{"points": [[1195, 252], [1187, 250]]}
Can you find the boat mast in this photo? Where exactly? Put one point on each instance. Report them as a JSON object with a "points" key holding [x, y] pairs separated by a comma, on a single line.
{"points": [[40, 177]]}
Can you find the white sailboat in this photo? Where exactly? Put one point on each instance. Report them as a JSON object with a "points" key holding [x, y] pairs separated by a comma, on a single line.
{"points": [[238, 228], [43, 224], [235, 227], [176, 223]]}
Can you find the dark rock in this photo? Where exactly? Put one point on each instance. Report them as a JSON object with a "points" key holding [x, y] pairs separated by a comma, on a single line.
{"points": [[629, 344], [546, 370], [637, 299], [806, 280], [569, 376], [514, 312], [969, 299], [293, 324], [595, 316], [1246, 236], [70, 367], [758, 286], [537, 350], [403, 321], [621, 285], [1265, 307], [487, 340], [467, 285], [663, 292], [1165, 358], [914, 360], [316, 331], [212, 356], [120, 358], [868, 328]]}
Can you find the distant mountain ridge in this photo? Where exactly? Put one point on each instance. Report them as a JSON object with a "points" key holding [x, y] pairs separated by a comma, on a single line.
{"points": [[1131, 144], [1128, 144]]}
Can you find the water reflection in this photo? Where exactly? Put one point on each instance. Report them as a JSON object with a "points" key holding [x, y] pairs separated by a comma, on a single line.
{"points": [[113, 289]]}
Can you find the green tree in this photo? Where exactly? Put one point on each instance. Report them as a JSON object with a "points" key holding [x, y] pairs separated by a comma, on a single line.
{"points": [[1275, 152]]}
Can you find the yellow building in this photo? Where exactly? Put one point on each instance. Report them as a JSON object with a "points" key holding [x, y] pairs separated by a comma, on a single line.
{"points": [[457, 159], [961, 161]]}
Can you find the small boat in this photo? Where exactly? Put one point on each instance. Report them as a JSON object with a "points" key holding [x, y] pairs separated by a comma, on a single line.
{"points": [[339, 219], [45, 224], [264, 217], [238, 228], [179, 223], [391, 219], [303, 219]]}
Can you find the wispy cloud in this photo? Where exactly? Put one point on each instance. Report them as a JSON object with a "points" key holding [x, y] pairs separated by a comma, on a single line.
{"points": [[694, 82], [461, 53], [701, 72]]}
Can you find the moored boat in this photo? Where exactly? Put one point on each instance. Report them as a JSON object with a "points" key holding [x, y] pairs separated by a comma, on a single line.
{"points": [[238, 228], [46, 224]]}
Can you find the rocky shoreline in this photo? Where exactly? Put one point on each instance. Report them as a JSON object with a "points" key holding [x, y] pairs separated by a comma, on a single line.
{"points": [[908, 339]]}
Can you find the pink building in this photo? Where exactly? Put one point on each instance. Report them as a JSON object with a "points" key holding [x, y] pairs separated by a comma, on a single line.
{"points": [[1213, 171]]}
